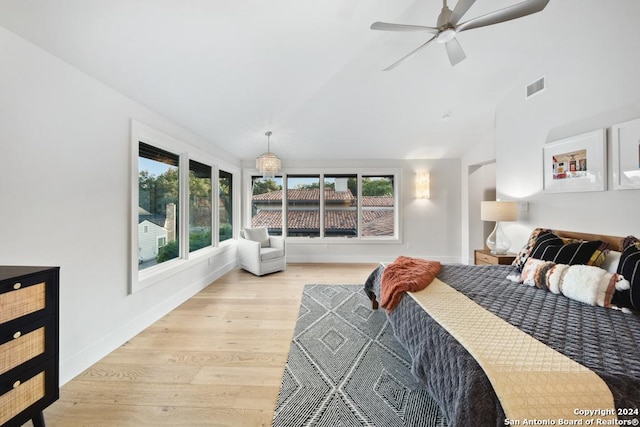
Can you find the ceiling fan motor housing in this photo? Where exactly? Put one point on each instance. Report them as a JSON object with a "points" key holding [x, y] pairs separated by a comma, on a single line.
{"points": [[443, 18]]}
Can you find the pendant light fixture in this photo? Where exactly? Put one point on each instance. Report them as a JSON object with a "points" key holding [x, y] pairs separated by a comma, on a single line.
{"points": [[268, 164]]}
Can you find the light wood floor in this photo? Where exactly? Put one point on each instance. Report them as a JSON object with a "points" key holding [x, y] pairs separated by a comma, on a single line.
{"points": [[217, 360]]}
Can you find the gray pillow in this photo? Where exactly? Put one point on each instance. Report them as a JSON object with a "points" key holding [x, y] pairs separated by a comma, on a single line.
{"points": [[259, 234]]}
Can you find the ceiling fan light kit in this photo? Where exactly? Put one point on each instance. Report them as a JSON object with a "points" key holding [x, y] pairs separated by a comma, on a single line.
{"points": [[447, 26], [446, 35]]}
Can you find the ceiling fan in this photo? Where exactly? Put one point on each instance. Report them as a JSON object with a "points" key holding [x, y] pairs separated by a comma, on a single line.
{"points": [[447, 25]]}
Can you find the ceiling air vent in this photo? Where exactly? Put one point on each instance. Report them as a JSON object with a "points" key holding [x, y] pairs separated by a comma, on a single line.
{"points": [[536, 87]]}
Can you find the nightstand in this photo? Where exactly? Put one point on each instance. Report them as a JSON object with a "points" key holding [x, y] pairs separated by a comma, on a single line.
{"points": [[485, 257]]}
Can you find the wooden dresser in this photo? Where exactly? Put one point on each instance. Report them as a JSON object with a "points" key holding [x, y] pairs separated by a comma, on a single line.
{"points": [[29, 336]]}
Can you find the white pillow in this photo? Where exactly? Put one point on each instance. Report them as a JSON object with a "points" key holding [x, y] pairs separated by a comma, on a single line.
{"points": [[611, 261], [259, 234]]}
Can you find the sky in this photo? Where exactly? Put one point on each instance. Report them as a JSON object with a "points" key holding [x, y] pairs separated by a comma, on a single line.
{"points": [[155, 168]]}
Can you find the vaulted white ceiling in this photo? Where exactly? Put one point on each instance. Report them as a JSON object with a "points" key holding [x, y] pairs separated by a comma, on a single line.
{"points": [[310, 71]]}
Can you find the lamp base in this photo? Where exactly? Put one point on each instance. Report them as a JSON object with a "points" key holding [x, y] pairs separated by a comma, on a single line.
{"points": [[498, 242]]}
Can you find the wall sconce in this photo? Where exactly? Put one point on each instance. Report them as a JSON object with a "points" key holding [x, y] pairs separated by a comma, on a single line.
{"points": [[422, 185]]}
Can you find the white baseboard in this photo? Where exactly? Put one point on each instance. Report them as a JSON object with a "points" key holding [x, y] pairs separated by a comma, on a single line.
{"points": [[85, 358], [359, 259]]}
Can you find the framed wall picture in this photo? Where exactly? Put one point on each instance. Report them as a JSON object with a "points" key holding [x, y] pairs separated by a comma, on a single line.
{"points": [[576, 164], [625, 153]]}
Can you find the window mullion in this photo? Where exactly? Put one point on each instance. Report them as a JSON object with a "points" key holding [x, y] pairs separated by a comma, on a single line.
{"points": [[360, 222], [321, 213], [215, 206], [183, 197], [285, 205]]}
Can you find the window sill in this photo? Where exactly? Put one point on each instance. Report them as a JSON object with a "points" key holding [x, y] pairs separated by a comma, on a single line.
{"points": [[157, 273], [343, 240]]}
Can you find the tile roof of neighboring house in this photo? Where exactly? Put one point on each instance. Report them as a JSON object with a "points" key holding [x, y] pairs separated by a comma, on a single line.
{"points": [[379, 201], [381, 224], [306, 194], [313, 195], [375, 222]]}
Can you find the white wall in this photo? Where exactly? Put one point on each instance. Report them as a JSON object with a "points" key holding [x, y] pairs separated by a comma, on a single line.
{"points": [[65, 151], [475, 182], [482, 186], [592, 82], [430, 228]]}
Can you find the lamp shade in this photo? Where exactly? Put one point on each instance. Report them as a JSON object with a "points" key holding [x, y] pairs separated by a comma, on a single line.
{"points": [[498, 211]]}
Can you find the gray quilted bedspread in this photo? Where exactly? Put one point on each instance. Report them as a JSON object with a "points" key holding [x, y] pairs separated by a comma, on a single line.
{"points": [[604, 340]]}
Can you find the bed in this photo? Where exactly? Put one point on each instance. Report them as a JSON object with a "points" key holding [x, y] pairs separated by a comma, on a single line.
{"points": [[605, 340]]}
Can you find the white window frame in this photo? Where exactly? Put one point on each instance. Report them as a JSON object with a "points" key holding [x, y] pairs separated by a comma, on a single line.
{"points": [[141, 279], [359, 172]]}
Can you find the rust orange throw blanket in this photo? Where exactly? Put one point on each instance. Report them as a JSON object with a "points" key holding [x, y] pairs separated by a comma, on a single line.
{"points": [[406, 274]]}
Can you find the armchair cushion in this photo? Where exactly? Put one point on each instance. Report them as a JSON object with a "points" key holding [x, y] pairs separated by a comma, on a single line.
{"points": [[260, 234], [270, 253]]}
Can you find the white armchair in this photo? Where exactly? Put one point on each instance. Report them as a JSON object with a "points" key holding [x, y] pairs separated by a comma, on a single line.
{"points": [[260, 253]]}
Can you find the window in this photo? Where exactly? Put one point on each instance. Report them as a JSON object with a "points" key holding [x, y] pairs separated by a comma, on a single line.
{"points": [[174, 218], [332, 205], [303, 205], [341, 205], [200, 209], [158, 200], [225, 209], [378, 206], [266, 203]]}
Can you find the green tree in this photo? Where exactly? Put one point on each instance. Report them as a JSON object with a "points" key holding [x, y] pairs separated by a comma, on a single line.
{"points": [[261, 186], [198, 240], [199, 200], [224, 193], [309, 186], [165, 191], [352, 184], [377, 186], [168, 251], [146, 190]]}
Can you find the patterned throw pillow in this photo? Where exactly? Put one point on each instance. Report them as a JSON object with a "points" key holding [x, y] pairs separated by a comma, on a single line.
{"points": [[535, 271], [629, 267], [550, 247], [524, 253]]}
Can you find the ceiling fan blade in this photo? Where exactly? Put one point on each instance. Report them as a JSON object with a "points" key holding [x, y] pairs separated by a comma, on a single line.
{"points": [[395, 64], [454, 51], [508, 13], [386, 26], [461, 8]]}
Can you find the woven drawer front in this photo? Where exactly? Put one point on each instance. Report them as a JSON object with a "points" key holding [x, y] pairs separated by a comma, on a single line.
{"points": [[19, 350], [21, 302], [21, 397]]}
